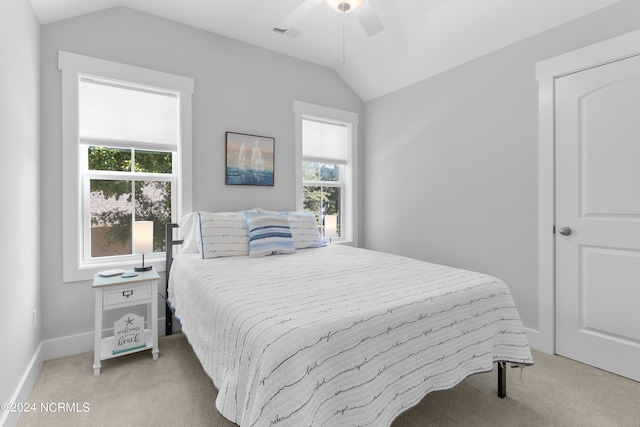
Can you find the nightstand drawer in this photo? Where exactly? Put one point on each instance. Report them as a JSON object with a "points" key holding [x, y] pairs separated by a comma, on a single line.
{"points": [[126, 294]]}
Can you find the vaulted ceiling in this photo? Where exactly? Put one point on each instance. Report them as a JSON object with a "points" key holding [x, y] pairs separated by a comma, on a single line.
{"points": [[420, 38]]}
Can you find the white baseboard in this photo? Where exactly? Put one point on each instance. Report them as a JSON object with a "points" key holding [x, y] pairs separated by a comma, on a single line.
{"points": [[82, 343], [24, 387], [537, 341], [67, 346]]}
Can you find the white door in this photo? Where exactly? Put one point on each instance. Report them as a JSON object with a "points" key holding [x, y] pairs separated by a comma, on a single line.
{"points": [[598, 217]]}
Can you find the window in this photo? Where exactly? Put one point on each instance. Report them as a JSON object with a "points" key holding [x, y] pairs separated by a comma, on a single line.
{"points": [[128, 141], [324, 163], [327, 168], [126, 150]]}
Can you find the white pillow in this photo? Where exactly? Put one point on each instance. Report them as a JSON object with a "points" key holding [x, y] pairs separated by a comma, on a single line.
{"points": [[304, 229], [189, 224], [222, 234]]}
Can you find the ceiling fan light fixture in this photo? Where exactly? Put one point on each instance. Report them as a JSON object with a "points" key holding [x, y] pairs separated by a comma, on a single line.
{"points": [[344, 6]]}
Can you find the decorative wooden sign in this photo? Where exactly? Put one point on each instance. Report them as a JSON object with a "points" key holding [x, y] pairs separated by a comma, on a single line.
{"points": [[128, 333]]}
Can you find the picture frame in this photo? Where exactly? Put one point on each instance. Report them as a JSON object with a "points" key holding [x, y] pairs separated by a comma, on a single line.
{"points": [[249, 159]]}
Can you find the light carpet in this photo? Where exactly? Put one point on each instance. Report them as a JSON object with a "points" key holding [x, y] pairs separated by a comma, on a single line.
{"points": [[134, 390]]}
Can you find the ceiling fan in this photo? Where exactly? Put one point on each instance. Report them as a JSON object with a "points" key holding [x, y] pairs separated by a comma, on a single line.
{"points": [[362, 9]]}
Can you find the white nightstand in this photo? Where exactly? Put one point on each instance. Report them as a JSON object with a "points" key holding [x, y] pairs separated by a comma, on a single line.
{"points": [[117, 292]]}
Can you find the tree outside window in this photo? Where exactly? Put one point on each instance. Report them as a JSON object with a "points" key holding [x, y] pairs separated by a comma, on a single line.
{"points": [[322, 191], [115, 203]]}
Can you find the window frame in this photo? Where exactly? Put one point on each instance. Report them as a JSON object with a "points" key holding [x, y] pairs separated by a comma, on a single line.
{"points": [[72, 67], [348, 182]]}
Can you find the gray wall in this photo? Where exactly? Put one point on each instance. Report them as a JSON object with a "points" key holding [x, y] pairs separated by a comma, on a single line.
{"points": [[238, 88], [449, 172], [451, 162], [19, 192]]}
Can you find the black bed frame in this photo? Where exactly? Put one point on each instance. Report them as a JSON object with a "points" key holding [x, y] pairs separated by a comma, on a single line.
{"points": [[502, 366], [171, 242]]}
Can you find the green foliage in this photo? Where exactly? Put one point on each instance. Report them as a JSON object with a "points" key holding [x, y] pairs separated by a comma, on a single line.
{"points": [[313, 171], [153, 161], [109, 159], [321, 199], [312, 199], [152, 198]]}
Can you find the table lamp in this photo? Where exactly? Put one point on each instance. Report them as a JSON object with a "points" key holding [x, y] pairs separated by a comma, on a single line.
{"points": [[330, 226], [143, 241]]}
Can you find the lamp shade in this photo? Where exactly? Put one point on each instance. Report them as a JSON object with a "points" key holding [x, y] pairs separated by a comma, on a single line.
{"points": [[330, 226], [143, 237]]}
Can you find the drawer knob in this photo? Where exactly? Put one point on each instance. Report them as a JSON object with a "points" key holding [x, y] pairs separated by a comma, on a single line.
{"points": [[127, 293]]}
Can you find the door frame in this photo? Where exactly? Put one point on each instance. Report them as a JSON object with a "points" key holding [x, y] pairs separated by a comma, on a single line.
{"points": [[547, 71]]}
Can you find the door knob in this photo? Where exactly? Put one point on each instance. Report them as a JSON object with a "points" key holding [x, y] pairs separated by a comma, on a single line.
{"points": [[565, 231]]}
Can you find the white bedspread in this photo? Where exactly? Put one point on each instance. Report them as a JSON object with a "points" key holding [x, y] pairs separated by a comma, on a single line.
{"points": [[339, 336]]}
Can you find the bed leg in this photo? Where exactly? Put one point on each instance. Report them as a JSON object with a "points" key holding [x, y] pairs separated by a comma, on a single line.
{"points": [[502, 379]]}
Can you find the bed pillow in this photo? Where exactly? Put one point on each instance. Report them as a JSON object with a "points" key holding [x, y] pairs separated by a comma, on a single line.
{"points": [[188, 226], [259, 209], [304, 230], [269, 234], [222, 234]]}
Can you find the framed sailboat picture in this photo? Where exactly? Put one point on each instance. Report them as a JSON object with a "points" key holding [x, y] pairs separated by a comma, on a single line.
{"points": [[249, 159]]}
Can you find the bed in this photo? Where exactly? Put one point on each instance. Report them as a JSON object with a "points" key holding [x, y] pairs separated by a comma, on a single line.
{"points": [[332, 335]]}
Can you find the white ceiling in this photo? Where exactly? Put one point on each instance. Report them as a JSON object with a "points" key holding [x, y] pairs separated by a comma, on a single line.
{"points": [[421, 38]]}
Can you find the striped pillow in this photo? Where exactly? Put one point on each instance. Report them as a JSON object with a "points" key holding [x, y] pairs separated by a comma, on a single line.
{"points": [[304, 229], [269, 234], [222, 234]]}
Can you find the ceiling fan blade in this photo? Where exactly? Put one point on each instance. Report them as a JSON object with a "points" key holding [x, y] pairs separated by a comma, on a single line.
{"points": [[368, 18], [297, 14]]}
